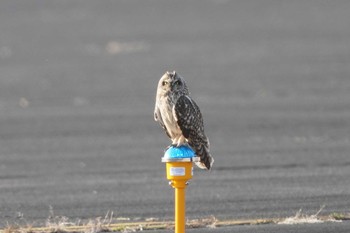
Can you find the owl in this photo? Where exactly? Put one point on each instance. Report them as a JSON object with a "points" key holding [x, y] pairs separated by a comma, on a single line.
{"points": [[181, 118]]}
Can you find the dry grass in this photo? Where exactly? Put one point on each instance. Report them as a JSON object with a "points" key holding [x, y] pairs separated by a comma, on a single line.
{"points": [[210, 222], [341, 216], [108, 223], [59, 224], [301, 218]]}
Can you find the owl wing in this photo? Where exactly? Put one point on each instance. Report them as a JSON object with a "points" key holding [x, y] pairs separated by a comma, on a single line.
{"points": [[190, 121], [188, 116], [158, 117]]}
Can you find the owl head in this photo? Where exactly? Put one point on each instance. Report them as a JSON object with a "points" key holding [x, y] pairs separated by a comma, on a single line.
{"points": [[172, 82]]}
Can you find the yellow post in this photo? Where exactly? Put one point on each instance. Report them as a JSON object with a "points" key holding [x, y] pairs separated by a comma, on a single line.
{"points": [[179, 170], [180, 207]]}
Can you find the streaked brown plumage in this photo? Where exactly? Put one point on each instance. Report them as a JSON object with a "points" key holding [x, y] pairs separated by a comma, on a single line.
{"points": [[181, 118]]}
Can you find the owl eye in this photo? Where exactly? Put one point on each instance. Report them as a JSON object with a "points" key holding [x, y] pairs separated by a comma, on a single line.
{"points": [[164, 83], [177, 83]]}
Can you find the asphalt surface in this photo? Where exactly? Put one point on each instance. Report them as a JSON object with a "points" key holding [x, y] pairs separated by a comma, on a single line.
{"points": [[77, 89], [307, 228]]}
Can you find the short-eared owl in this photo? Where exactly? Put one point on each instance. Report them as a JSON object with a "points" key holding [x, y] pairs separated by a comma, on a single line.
{"points": [[180, 117]]}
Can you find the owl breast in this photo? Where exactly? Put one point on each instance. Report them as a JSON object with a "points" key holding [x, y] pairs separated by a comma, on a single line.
{"points": [[166, 110]]}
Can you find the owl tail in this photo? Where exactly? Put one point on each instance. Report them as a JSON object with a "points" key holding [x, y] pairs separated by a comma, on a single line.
{"points": [[206, 160]]}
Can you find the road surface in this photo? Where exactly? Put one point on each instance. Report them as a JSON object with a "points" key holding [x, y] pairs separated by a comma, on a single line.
{"points": [[77, 89]]}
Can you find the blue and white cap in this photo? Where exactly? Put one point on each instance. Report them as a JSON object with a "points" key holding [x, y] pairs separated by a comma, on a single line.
{"points": [[184, 153]]}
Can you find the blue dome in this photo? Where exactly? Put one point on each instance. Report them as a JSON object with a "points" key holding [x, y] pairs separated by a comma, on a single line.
{"points": [[181, 152]]}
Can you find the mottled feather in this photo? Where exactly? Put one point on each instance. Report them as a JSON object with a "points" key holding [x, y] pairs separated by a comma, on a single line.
{"points": [[181, 118]]}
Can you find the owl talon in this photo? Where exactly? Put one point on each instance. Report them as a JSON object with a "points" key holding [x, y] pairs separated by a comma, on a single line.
{"points": [[179, 145]]}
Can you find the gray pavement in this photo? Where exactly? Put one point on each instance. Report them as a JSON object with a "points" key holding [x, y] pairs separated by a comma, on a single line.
{"points": [[77, 88], [303, 228]]}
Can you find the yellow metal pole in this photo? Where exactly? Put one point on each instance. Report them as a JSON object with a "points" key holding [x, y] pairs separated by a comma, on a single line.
{"points": [[179, 169], [180, 206]]}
